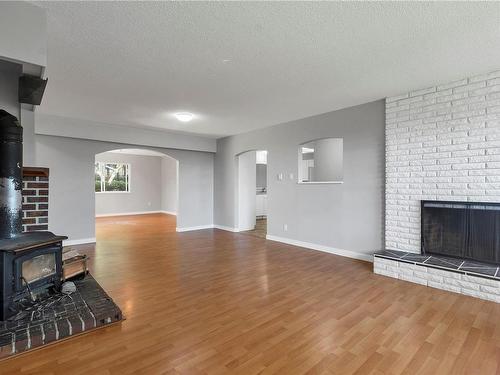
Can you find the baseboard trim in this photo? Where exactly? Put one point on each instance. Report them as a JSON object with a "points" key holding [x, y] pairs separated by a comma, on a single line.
{"points": [[211, 226], [199, 227], [323, 248], [223, 227], [80, 241], [137, 213]]}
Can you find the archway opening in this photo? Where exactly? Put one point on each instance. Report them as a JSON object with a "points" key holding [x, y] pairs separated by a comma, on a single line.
{"points": [[130, 182], [252, 193]]}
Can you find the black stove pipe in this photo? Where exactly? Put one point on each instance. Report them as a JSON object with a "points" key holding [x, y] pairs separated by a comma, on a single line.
{"points": [[11, 180]]}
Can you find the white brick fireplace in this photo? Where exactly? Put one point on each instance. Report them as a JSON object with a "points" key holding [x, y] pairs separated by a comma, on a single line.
{"points": [[442, 143]]}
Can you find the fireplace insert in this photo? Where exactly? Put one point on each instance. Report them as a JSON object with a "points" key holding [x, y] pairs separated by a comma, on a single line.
{"points": [[468, 230]]}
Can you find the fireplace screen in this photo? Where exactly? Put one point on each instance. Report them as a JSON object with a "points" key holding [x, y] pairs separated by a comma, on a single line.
{"points": [[466, 230], [39, 267]]}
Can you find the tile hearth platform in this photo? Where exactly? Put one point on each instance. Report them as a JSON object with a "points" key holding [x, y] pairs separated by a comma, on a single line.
{"points": [[58, 317], [471, 278]]}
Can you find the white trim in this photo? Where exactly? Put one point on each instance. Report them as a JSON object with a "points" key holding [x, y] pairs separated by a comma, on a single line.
{"points": [[326, 249], [319, 182], [112, 192], [80, 241], [223, 227], [210, 226], [168, 212], [136, 213], [199, 227]]}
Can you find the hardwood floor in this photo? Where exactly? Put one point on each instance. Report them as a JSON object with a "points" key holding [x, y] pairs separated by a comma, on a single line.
{"points": [[216, 302], [260, 229]]}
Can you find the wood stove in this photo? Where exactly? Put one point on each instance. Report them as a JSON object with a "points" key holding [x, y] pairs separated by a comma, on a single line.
{"points": [[30, 263]]}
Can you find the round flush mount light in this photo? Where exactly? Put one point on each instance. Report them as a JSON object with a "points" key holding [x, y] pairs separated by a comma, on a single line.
{"points": [[184, 116]]}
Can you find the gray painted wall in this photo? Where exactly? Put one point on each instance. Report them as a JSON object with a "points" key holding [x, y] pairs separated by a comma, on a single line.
{"points": [[347, 216], [72, 197], [261, 181], [328, 160], [9, 76], [169, 185], [145, 186]]}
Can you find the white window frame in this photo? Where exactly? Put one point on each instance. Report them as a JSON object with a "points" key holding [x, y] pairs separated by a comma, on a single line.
{"points": [[129, 178]]}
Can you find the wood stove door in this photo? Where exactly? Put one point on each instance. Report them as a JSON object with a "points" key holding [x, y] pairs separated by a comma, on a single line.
{"points": [[39, 268]]}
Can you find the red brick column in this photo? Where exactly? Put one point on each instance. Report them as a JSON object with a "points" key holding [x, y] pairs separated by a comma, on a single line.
{"points": [[35, 199]]}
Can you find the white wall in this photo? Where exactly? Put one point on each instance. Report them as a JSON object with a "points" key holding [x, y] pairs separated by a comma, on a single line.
{"points": [[169, 193], [442, 143], [246, 190], [145, 186]]}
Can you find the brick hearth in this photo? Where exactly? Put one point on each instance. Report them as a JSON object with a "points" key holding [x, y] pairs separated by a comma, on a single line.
{"points": [[475, 279], [58, 317]]}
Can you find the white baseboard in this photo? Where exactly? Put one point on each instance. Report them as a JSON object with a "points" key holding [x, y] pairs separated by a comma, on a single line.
{"points": [[137, 213], [80, 241], [326, 249], [199, 227], [223, 227], [210, 226]]}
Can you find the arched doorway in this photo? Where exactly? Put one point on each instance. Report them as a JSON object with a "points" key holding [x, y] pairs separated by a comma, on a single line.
{"points": [[251, 203], [132, 181]]}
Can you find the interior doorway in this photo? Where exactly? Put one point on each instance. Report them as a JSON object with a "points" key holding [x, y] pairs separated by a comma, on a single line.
{"points": [[252, 193], [135, 182]]}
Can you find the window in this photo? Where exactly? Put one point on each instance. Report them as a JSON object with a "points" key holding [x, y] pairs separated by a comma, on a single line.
{"points": [[112, 177]]}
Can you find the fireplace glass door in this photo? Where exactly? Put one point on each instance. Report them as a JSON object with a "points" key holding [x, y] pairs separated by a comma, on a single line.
{"points": [[38, 267]]}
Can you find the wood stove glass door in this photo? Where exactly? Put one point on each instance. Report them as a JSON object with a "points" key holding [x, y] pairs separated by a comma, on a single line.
{"points": [[38, 267]]}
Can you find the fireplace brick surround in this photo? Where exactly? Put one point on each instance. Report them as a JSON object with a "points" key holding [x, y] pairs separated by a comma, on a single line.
{"points": [[35, 199], [442, 143]]}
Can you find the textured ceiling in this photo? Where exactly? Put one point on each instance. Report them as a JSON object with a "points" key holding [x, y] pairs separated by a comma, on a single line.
{"points": [[245, 65]]}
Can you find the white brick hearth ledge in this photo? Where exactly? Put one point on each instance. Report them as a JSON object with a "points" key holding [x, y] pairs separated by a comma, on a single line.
{"points": [[458, 281]]}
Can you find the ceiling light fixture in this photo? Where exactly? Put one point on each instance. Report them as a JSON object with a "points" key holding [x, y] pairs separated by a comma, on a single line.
{"points": [[184, 116]]}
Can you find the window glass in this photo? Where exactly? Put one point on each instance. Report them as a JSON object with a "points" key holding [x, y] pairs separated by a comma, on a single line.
{"points": [[112, 177]]}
